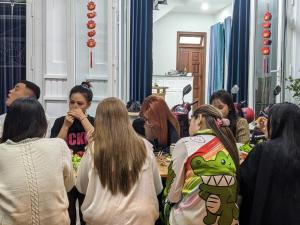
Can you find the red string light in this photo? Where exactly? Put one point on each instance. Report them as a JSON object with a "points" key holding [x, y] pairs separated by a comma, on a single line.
{"points": [[91, 25], [266, 34]]}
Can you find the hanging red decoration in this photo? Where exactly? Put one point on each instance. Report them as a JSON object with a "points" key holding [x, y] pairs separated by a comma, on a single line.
{"points": [[266, 34], [267, 42], [266, 25], [91, 15], [91, 25], [267, 16], [92, 33], [91, 5], [265, 50]]}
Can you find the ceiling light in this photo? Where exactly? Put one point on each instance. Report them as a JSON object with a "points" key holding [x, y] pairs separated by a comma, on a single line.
{"points": [[204, 6]]}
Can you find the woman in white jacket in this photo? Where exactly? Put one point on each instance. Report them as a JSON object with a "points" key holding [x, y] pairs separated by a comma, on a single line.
{"points": [[35, 172]]}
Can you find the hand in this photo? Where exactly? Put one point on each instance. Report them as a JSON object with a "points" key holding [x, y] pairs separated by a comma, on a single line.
{"points": [[68, 121], [77, 113], [261, 124], [213, 203]]}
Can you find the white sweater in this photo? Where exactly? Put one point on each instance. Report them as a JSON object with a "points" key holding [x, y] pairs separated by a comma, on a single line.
{"points": [[35, 175]]}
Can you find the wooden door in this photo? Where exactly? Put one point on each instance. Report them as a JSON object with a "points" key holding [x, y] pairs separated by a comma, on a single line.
{"points": [[191, 58]]}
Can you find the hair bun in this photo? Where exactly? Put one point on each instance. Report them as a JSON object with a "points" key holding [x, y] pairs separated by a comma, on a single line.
{"points": [[86, 84]]}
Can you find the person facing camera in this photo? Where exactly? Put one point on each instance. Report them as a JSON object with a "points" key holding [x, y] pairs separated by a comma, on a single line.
{"points": [[118, 174], [36, 172], [161, 126], [73, 128], [239, 126], [269, 177], [202, 183], [22, 89]]}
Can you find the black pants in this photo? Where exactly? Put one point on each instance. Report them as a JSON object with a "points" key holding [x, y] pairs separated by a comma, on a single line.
{"points": [[73, 196]]}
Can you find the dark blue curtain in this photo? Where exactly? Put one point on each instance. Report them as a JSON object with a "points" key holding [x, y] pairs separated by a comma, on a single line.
{"points": [[239, 49], [141, 49], [12, 48], [216, 58]]}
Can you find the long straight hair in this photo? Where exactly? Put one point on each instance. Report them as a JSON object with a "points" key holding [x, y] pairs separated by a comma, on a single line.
{"points": [[284, 128], [158, 114], [211, 114], [119, 153], [25, 119]]}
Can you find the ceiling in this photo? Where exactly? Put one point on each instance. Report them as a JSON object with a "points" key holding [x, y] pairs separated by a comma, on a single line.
{"points": [[191, 6]]}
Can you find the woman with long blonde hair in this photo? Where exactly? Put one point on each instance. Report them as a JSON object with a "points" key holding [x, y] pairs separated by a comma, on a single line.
{"points": [[118, 174]]}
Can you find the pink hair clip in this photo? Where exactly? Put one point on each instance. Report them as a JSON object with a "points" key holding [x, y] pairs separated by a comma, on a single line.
{"points": [[222, 122]]}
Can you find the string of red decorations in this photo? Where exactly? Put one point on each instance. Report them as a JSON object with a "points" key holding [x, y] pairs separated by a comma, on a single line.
{"points": [[266, 34], [91, 25]]}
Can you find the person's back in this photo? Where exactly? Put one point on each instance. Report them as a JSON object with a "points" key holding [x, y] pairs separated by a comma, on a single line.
{"points": [[35, 174], [140, 206], [270, 184], [119, 176]]}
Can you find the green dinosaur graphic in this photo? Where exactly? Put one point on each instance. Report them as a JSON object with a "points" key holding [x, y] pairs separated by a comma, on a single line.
{"points": [[218, 178], [170, 179], [167, 204]]}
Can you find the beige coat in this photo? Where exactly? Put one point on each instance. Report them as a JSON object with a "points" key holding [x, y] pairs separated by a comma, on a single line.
{"points": [[34, 177]]}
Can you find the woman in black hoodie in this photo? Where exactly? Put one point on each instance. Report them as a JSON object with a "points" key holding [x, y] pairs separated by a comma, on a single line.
{"points": [[270, 176]]}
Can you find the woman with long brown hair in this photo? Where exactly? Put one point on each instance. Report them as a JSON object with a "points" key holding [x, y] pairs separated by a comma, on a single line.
{"points": [[202, 184], [161, 126], [118, 174]]}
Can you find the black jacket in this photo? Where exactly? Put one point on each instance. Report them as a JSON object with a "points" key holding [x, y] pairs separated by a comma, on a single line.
{"points": [[270, 187]]}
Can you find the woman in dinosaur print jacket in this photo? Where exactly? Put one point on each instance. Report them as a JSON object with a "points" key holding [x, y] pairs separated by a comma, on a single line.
{"points": [[202, 186]]}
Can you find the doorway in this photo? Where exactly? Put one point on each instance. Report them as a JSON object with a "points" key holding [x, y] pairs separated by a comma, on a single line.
{"points": [[191, 58]]}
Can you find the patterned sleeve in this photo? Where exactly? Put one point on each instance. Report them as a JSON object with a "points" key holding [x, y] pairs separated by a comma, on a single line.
{"points": [[242, 131], [176, 173]]}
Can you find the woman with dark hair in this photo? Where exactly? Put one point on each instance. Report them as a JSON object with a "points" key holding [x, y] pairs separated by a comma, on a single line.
{"points": [[36, 172], [270, 184], [161, 126], [223, 101], [73, 129], [118, 174], [202, 184]]}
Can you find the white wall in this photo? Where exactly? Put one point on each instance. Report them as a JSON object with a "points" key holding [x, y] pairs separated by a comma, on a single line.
{"points": [[223, 14], [297, 33], [56, 45], [165, 38]]}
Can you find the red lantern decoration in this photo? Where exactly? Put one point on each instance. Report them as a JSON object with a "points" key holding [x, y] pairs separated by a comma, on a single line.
{"points": [[91, 15], [91, 24], [266, 25], [265, 50], [267, 16], [91, 5], [266, 33], [91, 33], [267, 42], [91, 43]]}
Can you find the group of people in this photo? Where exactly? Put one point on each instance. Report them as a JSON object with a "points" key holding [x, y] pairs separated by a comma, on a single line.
{"points": [[118, 180]]}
